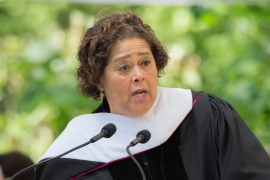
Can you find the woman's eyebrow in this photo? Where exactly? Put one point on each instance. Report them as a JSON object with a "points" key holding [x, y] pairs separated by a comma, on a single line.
{"points": [[128, 56], [121, 58], [143, 53]]}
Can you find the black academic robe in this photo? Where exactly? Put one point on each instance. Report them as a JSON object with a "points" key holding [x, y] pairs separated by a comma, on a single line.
{"points": [[212, 143]]}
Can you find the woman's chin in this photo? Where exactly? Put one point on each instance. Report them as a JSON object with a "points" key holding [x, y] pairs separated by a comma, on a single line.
{"points": [[132, 113], [137, 112]]}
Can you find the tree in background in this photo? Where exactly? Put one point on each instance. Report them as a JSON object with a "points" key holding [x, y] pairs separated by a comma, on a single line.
{"points": [[222, 49]]}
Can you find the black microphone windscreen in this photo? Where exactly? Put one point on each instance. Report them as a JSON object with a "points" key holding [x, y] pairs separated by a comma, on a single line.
{"points": [[110, 130], [146, 136]]}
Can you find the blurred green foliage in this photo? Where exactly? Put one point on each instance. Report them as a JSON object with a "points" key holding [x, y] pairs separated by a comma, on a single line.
{"points": [[223, 49]]}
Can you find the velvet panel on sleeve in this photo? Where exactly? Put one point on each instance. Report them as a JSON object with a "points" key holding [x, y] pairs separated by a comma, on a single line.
{"points": [[217, 144]]}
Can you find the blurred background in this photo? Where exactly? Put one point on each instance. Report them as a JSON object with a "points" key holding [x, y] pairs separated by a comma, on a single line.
{"points": [[220, 48]]}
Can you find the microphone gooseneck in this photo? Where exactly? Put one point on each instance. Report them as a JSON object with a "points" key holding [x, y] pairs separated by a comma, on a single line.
{"points": [[142, 137], [107, 131]]}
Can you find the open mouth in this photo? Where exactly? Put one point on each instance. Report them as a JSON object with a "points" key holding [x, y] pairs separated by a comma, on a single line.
{"points": [[139, 93]]}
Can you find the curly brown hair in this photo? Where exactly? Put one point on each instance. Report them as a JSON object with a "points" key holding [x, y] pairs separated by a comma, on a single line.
{"points": [[98, 40]]}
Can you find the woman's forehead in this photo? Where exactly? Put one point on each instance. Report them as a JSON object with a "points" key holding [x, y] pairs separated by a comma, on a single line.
{"points": [[130, 45]]}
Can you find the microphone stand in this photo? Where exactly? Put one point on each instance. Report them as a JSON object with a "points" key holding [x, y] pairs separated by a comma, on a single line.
{"points": [[107, 131], [45, 161], [136, 162]]}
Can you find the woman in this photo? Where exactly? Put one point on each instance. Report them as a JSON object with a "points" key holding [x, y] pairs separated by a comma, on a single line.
{"points": [[194, 135]]}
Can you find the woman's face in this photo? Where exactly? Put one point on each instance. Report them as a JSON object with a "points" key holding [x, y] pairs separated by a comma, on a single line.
{"points": [[130, 78]]}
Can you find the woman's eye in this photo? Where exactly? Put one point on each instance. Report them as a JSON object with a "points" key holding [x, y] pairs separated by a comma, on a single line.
{"points": [[124, 68], [145, 63]]}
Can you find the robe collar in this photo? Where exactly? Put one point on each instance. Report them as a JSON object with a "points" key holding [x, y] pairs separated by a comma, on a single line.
{"points": [[170, 108]]}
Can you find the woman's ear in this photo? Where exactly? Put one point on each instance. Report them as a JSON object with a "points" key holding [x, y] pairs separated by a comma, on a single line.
{"points": [[100, 87]]}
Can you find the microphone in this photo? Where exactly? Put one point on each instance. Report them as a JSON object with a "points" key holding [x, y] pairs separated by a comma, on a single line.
{"points": [[107, 131], [142, 137]]}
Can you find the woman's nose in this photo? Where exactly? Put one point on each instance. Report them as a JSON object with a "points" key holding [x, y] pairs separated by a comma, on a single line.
{"points": [[138, 74]]}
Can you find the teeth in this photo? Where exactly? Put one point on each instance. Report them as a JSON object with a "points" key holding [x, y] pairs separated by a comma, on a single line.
{"points": [[140, 94]]}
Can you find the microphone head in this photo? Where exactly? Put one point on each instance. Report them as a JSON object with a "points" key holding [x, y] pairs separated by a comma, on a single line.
{"points": [[109, 130], [145, 134]]}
